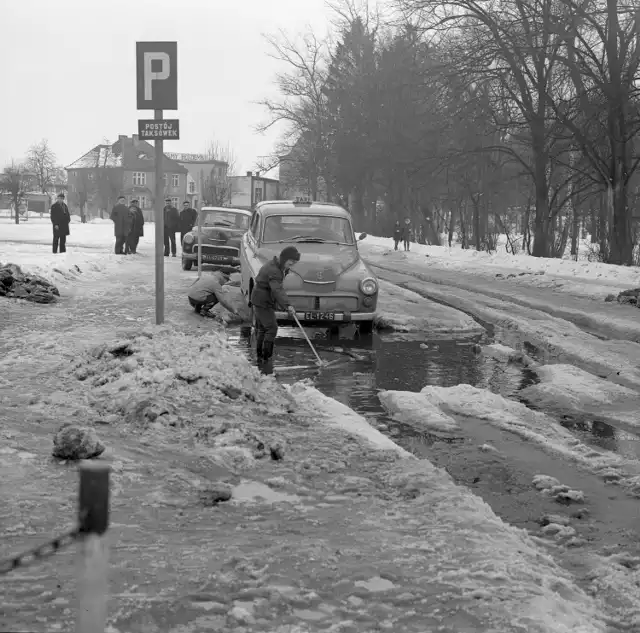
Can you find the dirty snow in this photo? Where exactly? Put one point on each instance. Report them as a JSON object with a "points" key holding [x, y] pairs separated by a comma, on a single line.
{"points": [[568, 389], [406, 311], [463, 404]]}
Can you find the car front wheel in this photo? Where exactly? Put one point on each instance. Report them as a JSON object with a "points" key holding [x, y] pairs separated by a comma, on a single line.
{"points": [[187, 264]]}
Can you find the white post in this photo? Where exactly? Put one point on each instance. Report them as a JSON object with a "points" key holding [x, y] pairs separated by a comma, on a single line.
{"points": [[200, 242], [93, 549]]}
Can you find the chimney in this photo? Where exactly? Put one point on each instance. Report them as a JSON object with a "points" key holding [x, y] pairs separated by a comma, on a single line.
{"points": [[257, 174], [249, 173], [135, 138], [122, 137]]}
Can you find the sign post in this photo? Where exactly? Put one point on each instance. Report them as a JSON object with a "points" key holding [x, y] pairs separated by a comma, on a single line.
{"points": [[157, 90], [200, 242]]}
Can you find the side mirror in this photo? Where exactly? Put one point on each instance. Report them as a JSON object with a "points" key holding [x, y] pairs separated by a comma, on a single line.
{"points": [[362, 236]]}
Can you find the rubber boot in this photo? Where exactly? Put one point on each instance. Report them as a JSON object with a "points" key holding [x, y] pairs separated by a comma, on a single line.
{"points": [[260, 347], [267, 350]]}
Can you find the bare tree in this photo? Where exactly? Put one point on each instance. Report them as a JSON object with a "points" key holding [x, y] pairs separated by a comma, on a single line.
{"points": [[302, 106], [85, 190], [41, 160], [217, 186], [15, 181]]}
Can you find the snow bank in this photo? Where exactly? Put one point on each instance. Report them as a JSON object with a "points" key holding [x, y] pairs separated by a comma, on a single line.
{"points": [[60, 268], [587, 278], [405, 311], [566, 388], [497, 566], [464, 403], [415, 410], [338, 415]]}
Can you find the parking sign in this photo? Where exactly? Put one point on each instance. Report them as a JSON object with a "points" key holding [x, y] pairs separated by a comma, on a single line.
{"points": [[157, 75]]}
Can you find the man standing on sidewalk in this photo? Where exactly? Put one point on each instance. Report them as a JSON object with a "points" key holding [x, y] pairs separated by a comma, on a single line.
{"points": [[60, 219], [171, 226], [188, 219], [121, 224]]}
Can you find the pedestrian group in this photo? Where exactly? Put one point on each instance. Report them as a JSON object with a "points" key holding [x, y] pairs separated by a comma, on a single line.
{"points": [[128, 225]]}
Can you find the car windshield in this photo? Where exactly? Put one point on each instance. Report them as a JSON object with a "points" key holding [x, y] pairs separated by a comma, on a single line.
{"points": [[308, 228], [225, 218]]}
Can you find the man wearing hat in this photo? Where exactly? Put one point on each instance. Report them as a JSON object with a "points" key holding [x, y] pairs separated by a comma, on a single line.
{"points": [[171, 226], [121, 225], [266, 295], [137, 224], [60, 218]]}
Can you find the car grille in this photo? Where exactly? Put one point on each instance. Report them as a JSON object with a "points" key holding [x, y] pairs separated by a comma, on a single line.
{"points": [[222, 251]]}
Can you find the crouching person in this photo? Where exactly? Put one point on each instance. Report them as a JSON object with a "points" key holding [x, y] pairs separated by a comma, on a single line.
{"points": [[267, 294], [203, 293]]}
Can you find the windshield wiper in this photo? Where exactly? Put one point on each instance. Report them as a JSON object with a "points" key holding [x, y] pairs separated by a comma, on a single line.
{"points": [[298, 238]]}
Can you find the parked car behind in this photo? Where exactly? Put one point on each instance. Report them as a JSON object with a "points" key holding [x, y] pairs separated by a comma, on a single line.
{"points": [[222, 230], [330, 285]]}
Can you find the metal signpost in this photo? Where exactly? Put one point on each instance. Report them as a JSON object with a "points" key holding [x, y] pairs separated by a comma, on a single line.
{"points": [[157, 90]]}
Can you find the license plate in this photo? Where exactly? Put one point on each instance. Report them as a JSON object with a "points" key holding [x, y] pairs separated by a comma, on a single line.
{"points": [[213, 258], [321, 316]]}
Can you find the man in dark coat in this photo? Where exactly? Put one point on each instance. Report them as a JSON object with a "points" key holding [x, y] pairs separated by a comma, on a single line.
{"points": [[60, 218], [137, 224], [188, 219], [121, 224], [397, 235], [171, 226], [267, 294], [407, 231]]}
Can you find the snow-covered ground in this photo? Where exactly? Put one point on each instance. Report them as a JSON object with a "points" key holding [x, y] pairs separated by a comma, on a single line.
{"points": [[587, 279], [497, 574]]}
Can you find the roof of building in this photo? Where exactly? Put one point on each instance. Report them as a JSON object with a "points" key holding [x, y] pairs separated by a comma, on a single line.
{"points": [[128, 153], [281, 207]]}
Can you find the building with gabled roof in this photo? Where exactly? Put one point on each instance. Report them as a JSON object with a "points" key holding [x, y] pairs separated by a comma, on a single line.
{"points": [[123, 168]]}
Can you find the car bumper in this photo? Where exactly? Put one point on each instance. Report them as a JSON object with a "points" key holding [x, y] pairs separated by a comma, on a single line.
{"points": [[339, 317]]}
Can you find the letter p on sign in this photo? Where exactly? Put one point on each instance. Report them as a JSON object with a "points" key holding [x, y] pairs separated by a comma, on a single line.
{"points": [[157, 75]]}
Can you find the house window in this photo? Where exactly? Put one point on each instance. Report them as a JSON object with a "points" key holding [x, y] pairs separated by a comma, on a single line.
{"points": [[192, 187], [175, 180], [258, 195], [144, 203], [91, 176], [174, 202], [139, 179]]}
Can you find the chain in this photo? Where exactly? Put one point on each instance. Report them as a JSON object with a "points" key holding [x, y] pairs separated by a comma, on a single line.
{"points": [[41, 552]]}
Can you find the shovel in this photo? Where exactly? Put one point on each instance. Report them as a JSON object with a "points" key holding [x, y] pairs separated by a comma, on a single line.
{"points": [[319, 361]]}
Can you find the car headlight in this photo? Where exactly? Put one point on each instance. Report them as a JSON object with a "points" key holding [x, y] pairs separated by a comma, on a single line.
{"points": [[369, 286], [189, 238]]}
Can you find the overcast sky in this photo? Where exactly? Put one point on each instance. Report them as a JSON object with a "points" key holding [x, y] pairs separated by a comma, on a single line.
{"points": [[68, 70]]}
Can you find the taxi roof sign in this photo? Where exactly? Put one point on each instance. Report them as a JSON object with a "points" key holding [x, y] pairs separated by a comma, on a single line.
{"points": [[302, 200]]}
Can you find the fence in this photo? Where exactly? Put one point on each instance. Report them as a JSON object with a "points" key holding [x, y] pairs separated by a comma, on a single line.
{"points": [[93, 553]]}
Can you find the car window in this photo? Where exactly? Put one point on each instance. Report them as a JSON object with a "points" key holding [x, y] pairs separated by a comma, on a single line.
{"points": [[255, 223], [281, 228], [227, 219]]}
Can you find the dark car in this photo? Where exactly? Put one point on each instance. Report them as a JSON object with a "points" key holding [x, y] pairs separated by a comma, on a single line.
{"points": [[222, 231]]}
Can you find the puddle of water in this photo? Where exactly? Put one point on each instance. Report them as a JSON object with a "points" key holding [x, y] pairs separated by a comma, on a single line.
{"points": [[407, 362]]}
